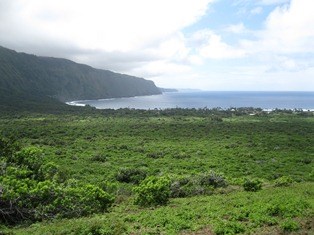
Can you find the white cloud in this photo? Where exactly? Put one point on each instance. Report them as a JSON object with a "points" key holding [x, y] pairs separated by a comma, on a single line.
{"points": [[272, 2], [102, 32], [288, 63], [289, 29], [146, 38], [211, 46], [236, 28], [256, 11], [287, 40], [173, 47], [108, 25], [161, 67], [277, 57], [260, 2]]}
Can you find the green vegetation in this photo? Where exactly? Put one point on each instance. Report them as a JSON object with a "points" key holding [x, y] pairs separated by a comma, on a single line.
{"points": [[252, 185], [152, 191], [156, 171], [32, 189], [32, 79]]}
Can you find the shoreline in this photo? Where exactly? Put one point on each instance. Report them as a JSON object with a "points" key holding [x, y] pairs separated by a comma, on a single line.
{"points": [[265, 101], [74, 103]]}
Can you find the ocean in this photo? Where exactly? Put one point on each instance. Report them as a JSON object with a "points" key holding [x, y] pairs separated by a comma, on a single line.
{"points": [[209, 99]]}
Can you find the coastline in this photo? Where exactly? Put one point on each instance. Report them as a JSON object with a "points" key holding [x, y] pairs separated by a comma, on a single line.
{"points": [[266, 101]]}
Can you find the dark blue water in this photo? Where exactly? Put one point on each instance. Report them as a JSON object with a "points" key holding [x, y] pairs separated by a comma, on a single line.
{"points": [[210, 99]]}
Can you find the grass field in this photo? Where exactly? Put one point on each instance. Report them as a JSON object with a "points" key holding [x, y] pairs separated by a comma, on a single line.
{"points": [[207, 156]]}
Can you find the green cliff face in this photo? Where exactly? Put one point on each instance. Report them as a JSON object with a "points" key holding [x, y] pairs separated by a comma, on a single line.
{"points": [[29, 75]]}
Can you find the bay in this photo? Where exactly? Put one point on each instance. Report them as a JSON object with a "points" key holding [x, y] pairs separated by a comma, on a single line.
{"points": [[209, 99]]}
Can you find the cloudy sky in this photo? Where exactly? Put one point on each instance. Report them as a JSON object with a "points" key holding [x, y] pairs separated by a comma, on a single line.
{"points": [[206, 44]]}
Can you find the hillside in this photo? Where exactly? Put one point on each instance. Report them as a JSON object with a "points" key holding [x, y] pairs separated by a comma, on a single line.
{"points": [[23, 75], [175, 171]]}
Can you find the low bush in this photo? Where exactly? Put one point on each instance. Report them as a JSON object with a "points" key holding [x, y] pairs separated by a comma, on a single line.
{"points": [[203, 184], [99, 158], [252, 185], [306, 161], [7, 147], [131, 175], [229, 227], [283, 181], [153, 191], [189, 186], [181, 155], [155, 155], [289, 225], [286, 208], [31, 190], [213, 179], [178, 188]]}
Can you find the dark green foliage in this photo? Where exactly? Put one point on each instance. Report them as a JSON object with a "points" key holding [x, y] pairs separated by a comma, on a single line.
{"points": [[252, 185], [177, 188], [49, 171], [31, 79], [155, 155], [187, 187], [233, 212], [77, 200], [203, 184], [283, 181], [152, 191], [213, 179], [30, 190], [99, 158], [264, 146], [7, 147], [306, 161], [131, 175], [30, 157]]}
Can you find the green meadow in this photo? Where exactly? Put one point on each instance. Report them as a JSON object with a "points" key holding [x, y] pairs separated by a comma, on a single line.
{"points": [[178, 171]]}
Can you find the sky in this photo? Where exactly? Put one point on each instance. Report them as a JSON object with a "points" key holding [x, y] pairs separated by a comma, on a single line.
{"points": [[220, 45]]}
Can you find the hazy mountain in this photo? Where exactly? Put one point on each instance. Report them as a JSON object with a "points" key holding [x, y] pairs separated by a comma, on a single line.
{"points": [[29, 76], [168, 89]]}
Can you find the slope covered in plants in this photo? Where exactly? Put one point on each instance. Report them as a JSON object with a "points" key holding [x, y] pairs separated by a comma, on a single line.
{"points": [[169, 171]]}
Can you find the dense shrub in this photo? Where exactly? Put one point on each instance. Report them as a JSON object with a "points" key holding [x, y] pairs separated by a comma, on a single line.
{"points": [[80, 200], [252, 185], [131, 175], [189, 186], [155, 155], [153, 191], [283, 181], [31, 190], [31, 157], [7, 147], [30, 200], [178, 188], [213, 179], [203, 184], [99, 158], [109, 186], [306, 161], [49, 171]]}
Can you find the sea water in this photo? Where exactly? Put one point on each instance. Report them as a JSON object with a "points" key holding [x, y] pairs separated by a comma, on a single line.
{"points": [[209, 99]]}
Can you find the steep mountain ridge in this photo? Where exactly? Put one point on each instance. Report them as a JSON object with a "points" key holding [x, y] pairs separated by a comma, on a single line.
{"points": [[23, 74]]}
